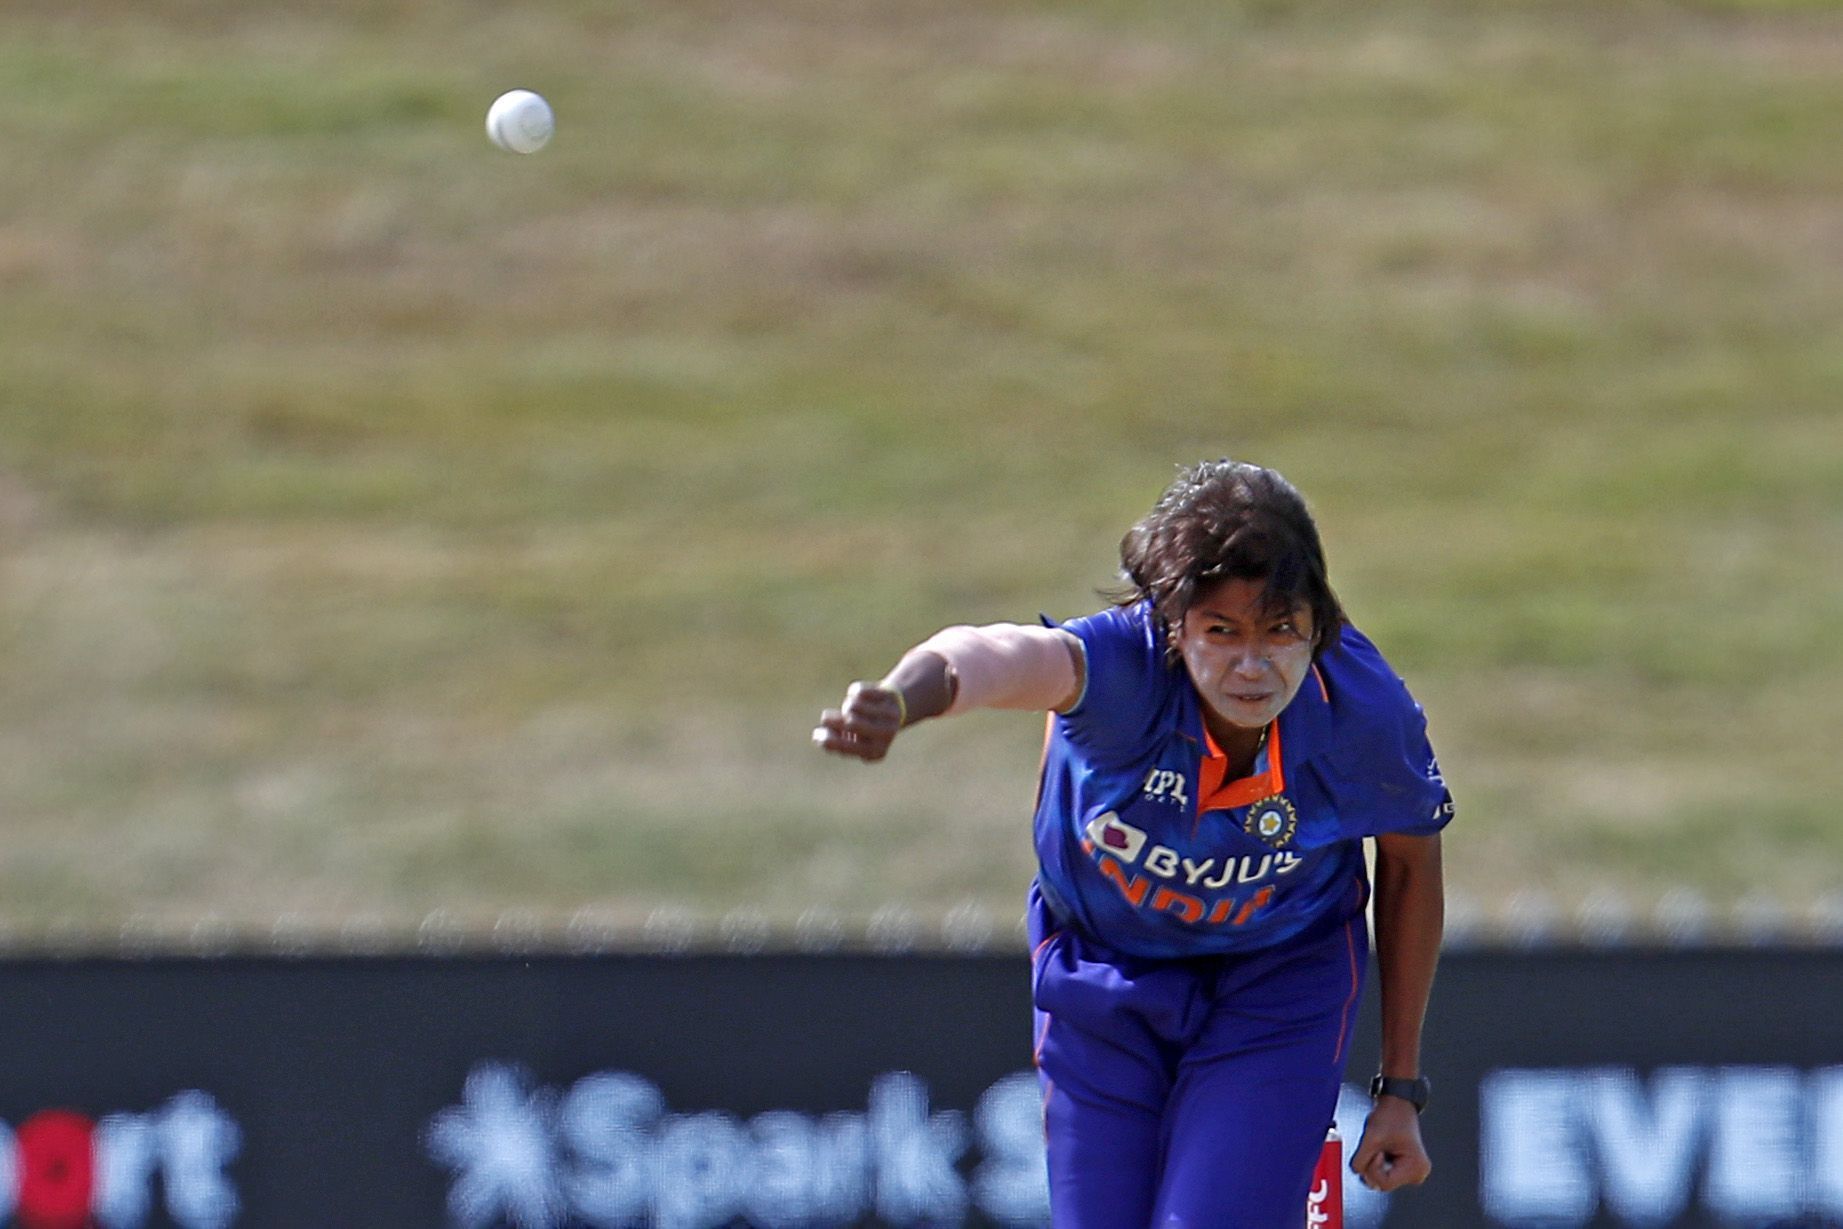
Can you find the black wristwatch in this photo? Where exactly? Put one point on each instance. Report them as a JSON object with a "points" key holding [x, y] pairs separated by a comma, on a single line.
{"points": [[1414, 1091]]}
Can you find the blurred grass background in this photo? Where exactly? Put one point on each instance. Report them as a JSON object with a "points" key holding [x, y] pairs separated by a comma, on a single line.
{"points": [[389, 524]]}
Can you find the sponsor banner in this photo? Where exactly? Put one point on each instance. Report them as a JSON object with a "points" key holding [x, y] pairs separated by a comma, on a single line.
{"points": [[608, 1150], [1572, 1090], [62, 1168], [1744, 1145], [394, 1093]]}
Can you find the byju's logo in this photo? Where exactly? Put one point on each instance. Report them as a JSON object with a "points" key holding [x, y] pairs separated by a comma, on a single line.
{"points": [[1120, 839], [62, 1170], [606, 1152]]}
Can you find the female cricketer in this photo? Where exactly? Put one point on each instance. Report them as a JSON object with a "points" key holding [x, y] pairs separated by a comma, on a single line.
{"points": [[1221, 742]]}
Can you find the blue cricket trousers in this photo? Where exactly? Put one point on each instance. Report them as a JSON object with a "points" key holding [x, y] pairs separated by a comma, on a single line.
{"points": [[1190, 1093]]}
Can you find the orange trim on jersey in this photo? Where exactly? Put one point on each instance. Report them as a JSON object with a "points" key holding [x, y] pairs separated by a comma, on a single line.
{"points": [[1322, 689], [1048, 939], [1343, 1029], [1215, 794], [1049, 732]]}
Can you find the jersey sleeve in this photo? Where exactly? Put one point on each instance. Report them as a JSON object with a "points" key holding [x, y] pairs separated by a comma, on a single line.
{"points": [[1127, 684], [1389, 773], [1422, 784]]}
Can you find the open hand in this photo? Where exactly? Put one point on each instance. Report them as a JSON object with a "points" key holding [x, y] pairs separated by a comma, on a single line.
{"points": [[864, 726]]}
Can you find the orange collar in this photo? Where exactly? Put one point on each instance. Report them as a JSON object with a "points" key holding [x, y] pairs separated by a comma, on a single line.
{"points": [[1215, 794]]}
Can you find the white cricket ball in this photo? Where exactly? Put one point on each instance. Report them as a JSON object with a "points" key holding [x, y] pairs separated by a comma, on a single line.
{"points": [[520, 121]]}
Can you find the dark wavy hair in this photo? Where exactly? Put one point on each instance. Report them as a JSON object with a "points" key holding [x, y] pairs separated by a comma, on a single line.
{"points": [[1229, 520]]}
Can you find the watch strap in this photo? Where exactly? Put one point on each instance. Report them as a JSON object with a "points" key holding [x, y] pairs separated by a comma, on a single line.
{"points": [[1414, 1091]]}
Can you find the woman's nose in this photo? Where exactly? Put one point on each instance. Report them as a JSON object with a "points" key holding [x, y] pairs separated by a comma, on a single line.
{"points": [[1249, 663]]}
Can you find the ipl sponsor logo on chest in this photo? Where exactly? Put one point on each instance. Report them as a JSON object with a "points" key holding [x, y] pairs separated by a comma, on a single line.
{"points": [[1166, 785]]}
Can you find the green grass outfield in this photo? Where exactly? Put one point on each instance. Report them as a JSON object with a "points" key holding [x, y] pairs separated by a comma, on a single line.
{"points": [[388, 523]]}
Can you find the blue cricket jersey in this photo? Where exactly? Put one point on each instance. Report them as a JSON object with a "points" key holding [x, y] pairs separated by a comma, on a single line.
{"points": [[1125, 851]]}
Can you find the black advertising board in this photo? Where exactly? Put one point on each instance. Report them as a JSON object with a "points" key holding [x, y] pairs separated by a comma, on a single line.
{"points": [[533, 1092], [1596, 1089], [1623, 1087]]}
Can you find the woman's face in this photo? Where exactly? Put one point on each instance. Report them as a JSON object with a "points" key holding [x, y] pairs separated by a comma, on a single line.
{"points": [[1246, 663]]}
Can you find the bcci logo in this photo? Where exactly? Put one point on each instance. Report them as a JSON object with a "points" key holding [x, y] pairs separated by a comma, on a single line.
{"points": [[1272, 821]]}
